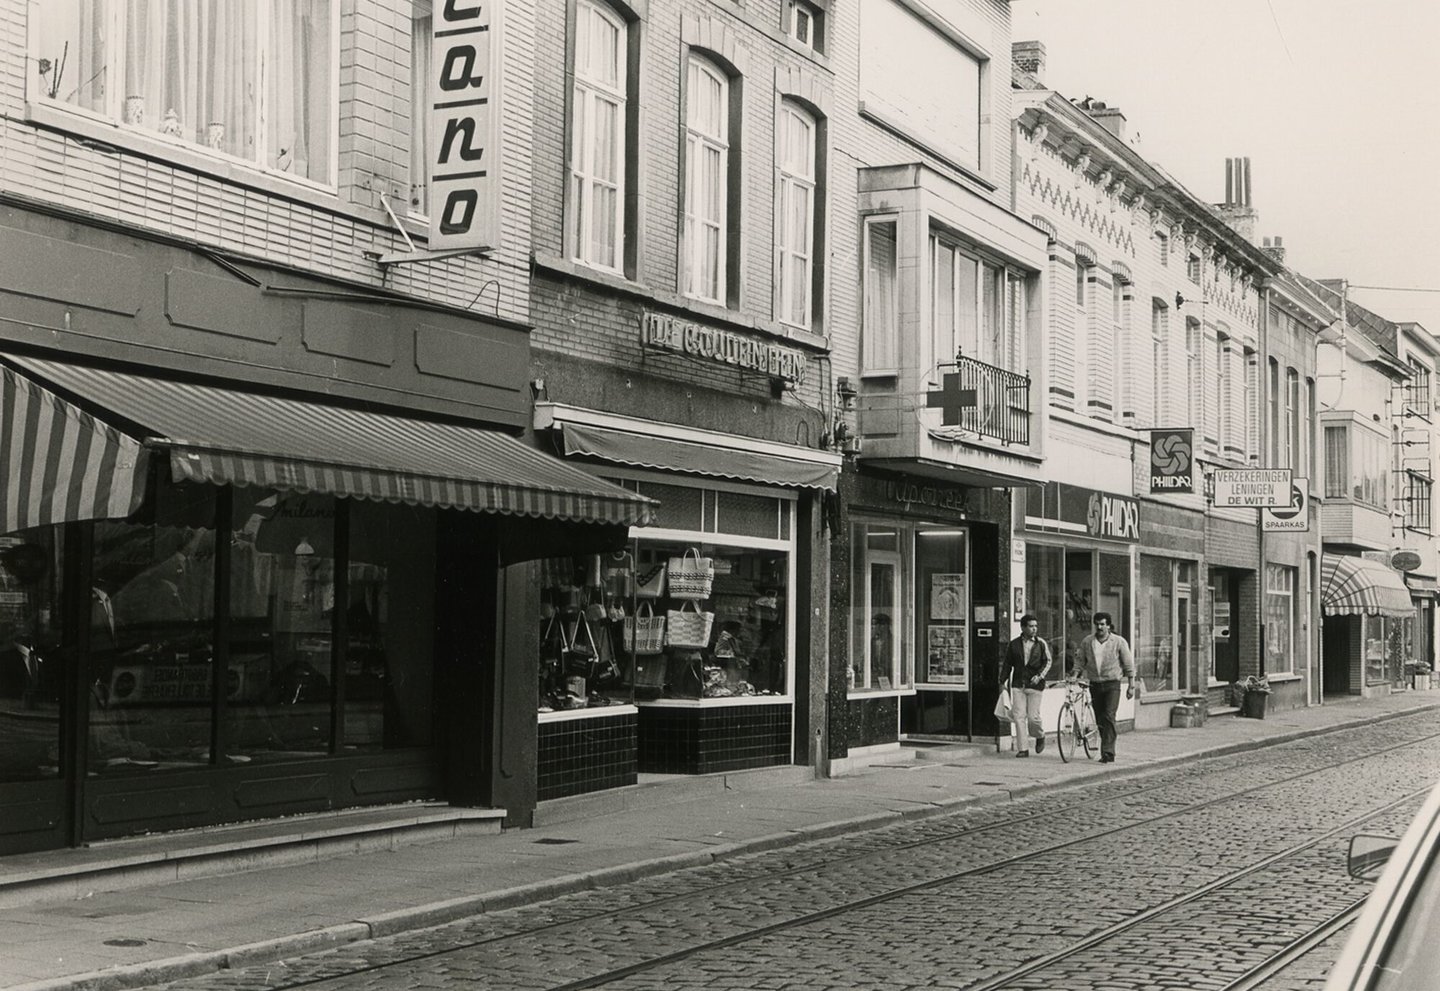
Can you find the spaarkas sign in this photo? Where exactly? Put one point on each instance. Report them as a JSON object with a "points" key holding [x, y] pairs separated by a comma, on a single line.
{"points": [[467, 49], [658, 330]]}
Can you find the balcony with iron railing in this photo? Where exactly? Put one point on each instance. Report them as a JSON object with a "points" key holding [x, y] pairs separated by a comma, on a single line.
{"points": [[984, 400]]}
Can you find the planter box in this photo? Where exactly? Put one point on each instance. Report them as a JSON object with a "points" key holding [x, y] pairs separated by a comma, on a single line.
{"points": [[1254, 704]]}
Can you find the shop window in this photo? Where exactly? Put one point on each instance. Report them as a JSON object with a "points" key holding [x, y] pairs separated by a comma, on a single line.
{"points": [[1279, 619], [878, 628], [31, 661], [253, 81], [1065, 587], [1375, 647], [881, 331], [942, 606], [1155, 649], [388, 688], [600, 129], [282, 604], [152, 635], [697, 616]]}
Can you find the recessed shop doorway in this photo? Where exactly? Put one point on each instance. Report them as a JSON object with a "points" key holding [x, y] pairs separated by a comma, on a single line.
{"points": [[1224, 625]]}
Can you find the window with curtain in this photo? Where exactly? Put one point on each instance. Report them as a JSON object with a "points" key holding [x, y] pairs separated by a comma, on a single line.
{"points": [[249, 79], [1159, 358], [1276, 424], [1223, 388], [1193, 402], [795, 157], [707, 152], [1312, 457], [1279, 619], [974, 307], [1250, 406], [1337, 462], [597, 137], [881, 340], [1292, 421], [1119, 327]]}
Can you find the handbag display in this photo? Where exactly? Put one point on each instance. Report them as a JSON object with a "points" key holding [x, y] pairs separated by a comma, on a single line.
{"points": [[691, 576], [688, 627], [581, 659], [650, 584], [644, 632], [619, 578]]}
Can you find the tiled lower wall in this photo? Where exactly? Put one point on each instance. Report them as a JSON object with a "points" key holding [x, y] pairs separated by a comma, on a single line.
{"points": [[583, 755], [712, 739]]}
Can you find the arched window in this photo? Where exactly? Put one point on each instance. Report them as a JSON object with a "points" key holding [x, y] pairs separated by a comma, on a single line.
{"points": [[707, 153], [795, 158], [597, 171]]}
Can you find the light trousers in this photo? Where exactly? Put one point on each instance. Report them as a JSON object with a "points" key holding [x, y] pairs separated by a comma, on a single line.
{"points": [[1025, 714]]}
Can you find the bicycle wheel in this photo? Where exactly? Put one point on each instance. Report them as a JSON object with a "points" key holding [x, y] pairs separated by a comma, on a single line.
{"points": [[1089, 732], [1065, 732]]}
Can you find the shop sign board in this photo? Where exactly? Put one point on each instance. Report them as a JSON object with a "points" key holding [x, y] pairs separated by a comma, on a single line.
{"points": [[1071, 509], [1252, 488], [466, 53], [659, 330], [1172, 460], [1291, 518], [1404, 560]]}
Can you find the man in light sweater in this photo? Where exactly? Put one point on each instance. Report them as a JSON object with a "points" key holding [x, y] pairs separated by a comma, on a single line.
{"points": [[1104, 660]]}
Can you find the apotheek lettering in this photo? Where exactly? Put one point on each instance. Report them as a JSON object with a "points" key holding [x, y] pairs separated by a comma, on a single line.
{"points": [[714, 344], [908, 494]]}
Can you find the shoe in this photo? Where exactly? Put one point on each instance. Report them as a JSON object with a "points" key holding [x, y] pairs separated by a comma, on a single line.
{"points": [[1039, 744], [1107, 758], [1023, 753]]}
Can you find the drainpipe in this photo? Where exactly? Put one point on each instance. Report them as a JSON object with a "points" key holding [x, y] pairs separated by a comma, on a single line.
{"points": [[1267, 444]]}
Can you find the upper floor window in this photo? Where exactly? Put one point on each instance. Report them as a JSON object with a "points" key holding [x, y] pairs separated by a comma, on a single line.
{"points": [[1192, 268], [881, 271], [1356, 465], [1224, 386], [598, 137], [253, 80], [1291, 454], [1159, 358], [1119, 332], [1162, 247], [974, 309], [707, 154], [1193, 385], [1417, 502], [805, 22], [936, 100], [795, 215], [1418, 389]]}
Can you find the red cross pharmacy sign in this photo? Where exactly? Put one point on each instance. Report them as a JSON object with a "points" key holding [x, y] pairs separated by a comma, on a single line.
{"points": [[950, 399]]}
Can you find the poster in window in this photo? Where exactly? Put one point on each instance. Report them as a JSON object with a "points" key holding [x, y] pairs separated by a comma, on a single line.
{"points": [[947, 597], [945, 656]]}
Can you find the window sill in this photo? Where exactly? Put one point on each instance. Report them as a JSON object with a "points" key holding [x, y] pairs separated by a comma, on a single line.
{"points": [[879, 693], [570, 715], [711, 703], [1156, 698], [117, 138], [1281, 679], [575, 271]]}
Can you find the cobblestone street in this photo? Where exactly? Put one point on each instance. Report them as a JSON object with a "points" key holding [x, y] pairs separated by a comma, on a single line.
{"points": [[1186, 878]]}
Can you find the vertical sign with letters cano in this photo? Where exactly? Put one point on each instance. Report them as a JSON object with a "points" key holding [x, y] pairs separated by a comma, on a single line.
{"points": [[466, 54]]}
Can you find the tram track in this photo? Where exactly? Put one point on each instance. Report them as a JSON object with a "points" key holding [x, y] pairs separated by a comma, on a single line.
{"points": [[1064, 814]]}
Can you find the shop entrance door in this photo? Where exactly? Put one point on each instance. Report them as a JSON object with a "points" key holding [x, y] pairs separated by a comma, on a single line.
{"points": [[1187, 640], [1224, 633]]}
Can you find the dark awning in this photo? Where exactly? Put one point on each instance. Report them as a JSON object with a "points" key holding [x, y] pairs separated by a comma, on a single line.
{"points": [[225, 437], [1356, 586], [649, 451]]}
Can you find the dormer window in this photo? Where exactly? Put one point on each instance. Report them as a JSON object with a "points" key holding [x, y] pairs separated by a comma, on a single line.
{"points": [[803, 22]]}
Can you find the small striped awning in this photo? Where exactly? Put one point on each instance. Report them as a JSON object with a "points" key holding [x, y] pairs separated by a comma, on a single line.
{"points": [[1355, 586], [59, 462], [225, 437]]}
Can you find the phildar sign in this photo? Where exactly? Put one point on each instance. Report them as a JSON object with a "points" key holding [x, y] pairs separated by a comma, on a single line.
{"points": [[466, 53], [1172, 460]]}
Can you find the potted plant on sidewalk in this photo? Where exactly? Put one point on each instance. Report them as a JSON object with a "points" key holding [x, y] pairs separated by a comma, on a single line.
{"points": [[1251, 694]]}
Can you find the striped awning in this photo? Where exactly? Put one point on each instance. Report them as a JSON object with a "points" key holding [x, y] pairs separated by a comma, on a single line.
{"points": [[1355, 586], [59, 462], [225, 437]]}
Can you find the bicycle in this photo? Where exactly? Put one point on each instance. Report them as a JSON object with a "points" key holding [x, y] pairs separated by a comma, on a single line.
{"points": [[1077, 722]]}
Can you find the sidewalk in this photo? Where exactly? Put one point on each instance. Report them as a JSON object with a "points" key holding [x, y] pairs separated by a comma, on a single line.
{"points": [[117, 915]]}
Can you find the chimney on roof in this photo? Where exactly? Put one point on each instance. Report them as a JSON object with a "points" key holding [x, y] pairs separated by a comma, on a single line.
{"points": [[1275, 249], [1029, 56], [1106, 116], [1238, 210]]}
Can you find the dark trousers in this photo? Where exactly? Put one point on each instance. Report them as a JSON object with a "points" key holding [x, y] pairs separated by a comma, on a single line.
{"points": [[1105, 697]]}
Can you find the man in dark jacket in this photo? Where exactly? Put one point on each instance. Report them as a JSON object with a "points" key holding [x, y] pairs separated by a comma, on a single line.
{"points": [[1027, 661]]}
